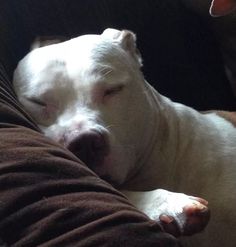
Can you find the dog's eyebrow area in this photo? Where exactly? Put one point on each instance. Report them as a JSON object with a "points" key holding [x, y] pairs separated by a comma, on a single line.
{"points": [[109, 75], [104, 70]]}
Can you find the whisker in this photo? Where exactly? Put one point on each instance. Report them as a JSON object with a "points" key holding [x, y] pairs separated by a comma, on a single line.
{"points": [[109, 126], [105, 70]]}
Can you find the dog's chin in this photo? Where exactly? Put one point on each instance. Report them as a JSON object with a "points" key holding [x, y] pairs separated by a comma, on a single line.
{"points": [[108, 168]]}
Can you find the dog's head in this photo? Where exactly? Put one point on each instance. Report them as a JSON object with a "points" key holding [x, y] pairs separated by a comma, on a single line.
{"points": [[89, 94]]}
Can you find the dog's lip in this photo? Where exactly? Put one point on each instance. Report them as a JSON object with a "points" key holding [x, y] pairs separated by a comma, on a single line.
{"points": [[98, 165], [93, 160], [95, 157]]}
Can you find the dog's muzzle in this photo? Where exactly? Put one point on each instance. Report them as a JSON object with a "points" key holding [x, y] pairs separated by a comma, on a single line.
{"points": [[91, 146]]}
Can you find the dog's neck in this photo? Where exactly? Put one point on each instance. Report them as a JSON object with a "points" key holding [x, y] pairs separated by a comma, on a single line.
{"points": [[160, 146], [181, 140]]}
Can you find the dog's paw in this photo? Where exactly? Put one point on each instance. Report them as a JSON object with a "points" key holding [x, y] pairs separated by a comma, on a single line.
{"points": [[185, 216], [179, 214]]}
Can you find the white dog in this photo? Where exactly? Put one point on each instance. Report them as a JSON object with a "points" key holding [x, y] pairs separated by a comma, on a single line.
{"points": [[89, 95]]}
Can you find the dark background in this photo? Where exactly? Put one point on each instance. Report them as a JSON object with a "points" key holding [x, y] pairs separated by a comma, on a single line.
{"points": [[180, 54]]}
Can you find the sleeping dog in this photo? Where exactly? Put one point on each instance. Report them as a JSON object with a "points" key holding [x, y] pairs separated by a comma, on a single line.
{"points": [[90, 95]]}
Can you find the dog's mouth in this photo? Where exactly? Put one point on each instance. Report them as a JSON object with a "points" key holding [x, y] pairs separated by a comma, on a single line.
{"points": [[93, 158], [98, 151]]}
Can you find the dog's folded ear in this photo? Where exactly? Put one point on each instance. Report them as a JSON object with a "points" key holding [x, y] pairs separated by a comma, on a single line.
{"points": [[126, 39], [222, 7]]}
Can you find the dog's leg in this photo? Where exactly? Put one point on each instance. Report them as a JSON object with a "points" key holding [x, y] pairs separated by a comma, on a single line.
{"points": [[179, 214]]}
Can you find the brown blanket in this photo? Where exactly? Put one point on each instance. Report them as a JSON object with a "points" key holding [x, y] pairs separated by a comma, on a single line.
{"points": [[49, 198]]}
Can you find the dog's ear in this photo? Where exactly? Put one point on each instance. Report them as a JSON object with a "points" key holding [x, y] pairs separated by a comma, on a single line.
{"points": [[46, 40], [126, 39], [222, 7]]}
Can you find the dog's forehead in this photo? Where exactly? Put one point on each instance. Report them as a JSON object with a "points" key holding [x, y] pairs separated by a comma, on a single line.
{"points": [[90, 58], [92, 47], [81, 63]]}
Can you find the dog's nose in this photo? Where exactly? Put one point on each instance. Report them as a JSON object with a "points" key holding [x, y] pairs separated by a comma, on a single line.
{"points": [[90, 146]]}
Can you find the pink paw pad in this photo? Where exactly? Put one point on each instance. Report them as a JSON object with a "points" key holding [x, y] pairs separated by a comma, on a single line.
{"points": [[197, 216]]}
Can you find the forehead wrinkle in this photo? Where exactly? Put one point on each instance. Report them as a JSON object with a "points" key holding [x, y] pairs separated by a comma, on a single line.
{"points": [[100, 72], [104, 75], [101, 69]]}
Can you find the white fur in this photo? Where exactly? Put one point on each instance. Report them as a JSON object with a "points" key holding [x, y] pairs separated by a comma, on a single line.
{"points": [[154, 143]]}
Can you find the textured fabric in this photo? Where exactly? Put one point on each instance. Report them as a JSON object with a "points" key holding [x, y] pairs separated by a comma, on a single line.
{"points": [[49, 198]]}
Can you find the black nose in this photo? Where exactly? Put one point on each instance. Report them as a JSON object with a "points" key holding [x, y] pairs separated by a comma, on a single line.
{"points": [[90, 146]]}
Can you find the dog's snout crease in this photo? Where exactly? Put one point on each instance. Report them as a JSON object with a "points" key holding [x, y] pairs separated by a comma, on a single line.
{"points": [[90, 146]]}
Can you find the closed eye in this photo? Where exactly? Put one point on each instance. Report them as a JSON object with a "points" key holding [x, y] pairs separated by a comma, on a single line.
{"points": [[37, 102], [114, 90]]}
